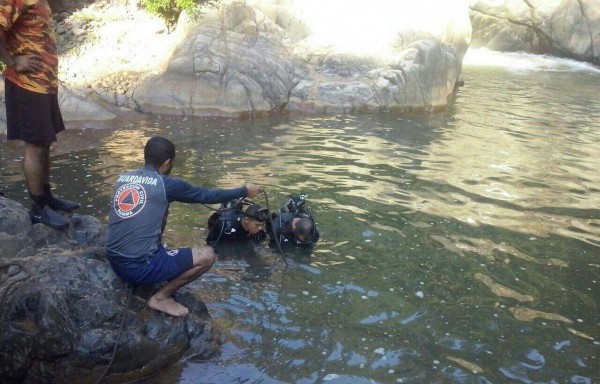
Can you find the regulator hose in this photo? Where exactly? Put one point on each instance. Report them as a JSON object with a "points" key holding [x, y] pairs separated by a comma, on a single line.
{"points": [[275, 237]]}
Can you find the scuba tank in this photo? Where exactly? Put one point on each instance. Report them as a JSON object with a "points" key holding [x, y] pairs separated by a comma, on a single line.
{"points": [[295, 204]]}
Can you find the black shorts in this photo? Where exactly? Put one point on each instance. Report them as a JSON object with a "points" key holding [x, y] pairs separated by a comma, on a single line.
{"points": [[30, 116]]}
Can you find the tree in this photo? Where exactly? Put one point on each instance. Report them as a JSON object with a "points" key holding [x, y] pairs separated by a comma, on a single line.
{"points": [[170, 10]]}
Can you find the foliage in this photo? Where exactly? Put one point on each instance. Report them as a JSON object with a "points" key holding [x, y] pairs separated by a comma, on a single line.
{"points": [[169, 10]]}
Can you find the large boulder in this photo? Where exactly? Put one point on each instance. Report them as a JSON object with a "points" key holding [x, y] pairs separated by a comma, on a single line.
{"points": [[565, 28], [230, 62], [420, 78], [61, 308], [263, 57]]}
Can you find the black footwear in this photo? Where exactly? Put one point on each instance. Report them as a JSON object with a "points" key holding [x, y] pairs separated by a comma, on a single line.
{"points": [[62, 205], [48, 217]]}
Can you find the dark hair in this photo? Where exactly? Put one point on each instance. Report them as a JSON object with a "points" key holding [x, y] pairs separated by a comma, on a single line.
{"points": [[256, 212], [157, 150], [305, 227]]}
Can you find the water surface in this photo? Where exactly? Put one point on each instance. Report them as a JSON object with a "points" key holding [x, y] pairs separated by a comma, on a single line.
{"points": [[457, 247]]}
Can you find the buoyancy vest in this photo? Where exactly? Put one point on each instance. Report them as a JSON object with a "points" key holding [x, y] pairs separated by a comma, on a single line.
{"points": [[225, 224]]}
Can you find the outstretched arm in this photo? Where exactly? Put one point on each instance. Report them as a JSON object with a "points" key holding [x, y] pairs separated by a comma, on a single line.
{"points": [[179, 190]]}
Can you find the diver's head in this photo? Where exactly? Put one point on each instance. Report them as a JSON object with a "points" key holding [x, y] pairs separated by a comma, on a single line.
{"points": [[303, 230], [255, 219]]}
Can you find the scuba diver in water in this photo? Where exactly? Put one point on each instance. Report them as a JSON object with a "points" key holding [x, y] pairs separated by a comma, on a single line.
{"points": [[234, 232], [293, 223], [233, 222]]}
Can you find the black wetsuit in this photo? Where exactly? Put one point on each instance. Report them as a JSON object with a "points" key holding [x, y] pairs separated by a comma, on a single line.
{"points": [[227, 226], [282, 223]]}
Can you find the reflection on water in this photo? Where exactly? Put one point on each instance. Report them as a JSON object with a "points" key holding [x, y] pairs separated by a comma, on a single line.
{"points": [[456, 247]]}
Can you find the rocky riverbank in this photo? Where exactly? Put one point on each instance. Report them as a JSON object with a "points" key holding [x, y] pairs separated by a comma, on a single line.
{"points": [[61, 308], [246, 58]]}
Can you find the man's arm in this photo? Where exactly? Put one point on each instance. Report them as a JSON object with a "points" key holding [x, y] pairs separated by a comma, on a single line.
{"points": [[182, 191], [21, 64]]}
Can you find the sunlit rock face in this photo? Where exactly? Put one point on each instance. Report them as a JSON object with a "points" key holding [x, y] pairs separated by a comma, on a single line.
{"points": [[262, 57], [565, 28]]}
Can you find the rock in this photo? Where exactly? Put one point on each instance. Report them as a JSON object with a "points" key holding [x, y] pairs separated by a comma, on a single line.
{"points": [[76, 105], [238, 60], [61, 307], [569, 28], [248, 58], [225, 65], [421, 77]]}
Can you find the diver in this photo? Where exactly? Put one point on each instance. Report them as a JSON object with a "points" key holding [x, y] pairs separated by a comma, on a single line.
{"points": [[232, 222], [293, 223]]}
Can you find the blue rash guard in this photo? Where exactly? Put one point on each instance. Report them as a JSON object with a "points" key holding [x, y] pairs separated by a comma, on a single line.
{"points": [[140, 206]]}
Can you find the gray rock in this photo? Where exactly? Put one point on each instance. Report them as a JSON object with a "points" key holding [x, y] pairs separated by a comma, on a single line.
{"points": [[225, 65], [255, 57], [241, 59], [565, 28], [78, 104], [61, 307]]}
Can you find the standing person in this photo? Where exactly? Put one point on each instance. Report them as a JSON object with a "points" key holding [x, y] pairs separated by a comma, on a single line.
{"points": [[28, 48], [138, 217]]}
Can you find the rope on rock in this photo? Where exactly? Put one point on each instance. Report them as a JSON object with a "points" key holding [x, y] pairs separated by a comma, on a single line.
{"points": [[15, 281], [119, 334]]}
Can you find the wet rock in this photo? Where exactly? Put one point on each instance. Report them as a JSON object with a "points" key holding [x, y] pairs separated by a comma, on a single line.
{"points": [[569, 28], [61, 309]]}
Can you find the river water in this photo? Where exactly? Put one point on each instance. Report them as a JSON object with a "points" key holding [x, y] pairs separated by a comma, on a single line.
{"points": [[457, 247]]}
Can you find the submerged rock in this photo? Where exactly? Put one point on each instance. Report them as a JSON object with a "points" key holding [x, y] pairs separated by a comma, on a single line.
{"points": [[61, 308]]}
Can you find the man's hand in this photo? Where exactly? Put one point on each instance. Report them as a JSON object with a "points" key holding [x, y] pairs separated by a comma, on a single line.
{"points": [[253, 190], [28, 63]]}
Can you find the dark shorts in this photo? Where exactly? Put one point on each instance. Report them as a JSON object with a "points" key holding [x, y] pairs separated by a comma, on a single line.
{"points": [[32, 117], [164, 265]]}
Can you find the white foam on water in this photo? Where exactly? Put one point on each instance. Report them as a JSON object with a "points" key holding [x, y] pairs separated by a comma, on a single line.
{"points": [[520, 61]]}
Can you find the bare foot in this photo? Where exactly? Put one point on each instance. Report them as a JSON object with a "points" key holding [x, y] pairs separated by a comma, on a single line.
{"points": [[168, 306]]}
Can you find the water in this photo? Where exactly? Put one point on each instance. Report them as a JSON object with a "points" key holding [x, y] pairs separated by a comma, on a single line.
{"points": [[459, 247]]}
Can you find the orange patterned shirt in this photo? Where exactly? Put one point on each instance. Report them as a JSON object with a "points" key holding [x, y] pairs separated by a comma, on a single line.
{"points": [[27, 27]]}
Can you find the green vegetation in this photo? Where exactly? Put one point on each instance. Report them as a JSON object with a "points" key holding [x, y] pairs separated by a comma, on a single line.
{"points": [[169, 10]]}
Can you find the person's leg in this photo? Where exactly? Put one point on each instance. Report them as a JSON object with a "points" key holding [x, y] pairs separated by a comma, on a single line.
{"points": [[54, 202], [203, 258], [35, 119], [36, 167]]}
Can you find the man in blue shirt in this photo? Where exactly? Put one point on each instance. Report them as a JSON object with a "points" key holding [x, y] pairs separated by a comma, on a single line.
{"points": [[138, 217]]}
